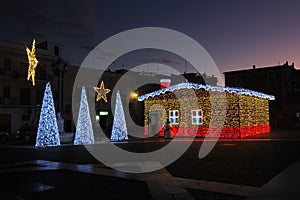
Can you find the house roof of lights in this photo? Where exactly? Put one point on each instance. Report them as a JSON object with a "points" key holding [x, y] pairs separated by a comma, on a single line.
{"points": [[195, 86]]}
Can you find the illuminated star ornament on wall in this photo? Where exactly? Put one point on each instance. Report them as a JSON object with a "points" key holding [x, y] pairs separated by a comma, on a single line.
{"points": [[101, 92], [32, 62]]}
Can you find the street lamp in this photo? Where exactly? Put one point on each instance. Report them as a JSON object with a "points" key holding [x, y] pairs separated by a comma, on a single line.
{"points": [[133, 95], [133, 106]]}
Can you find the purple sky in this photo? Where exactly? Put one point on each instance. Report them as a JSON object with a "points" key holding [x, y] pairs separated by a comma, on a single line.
{"points": [[236, 33]]}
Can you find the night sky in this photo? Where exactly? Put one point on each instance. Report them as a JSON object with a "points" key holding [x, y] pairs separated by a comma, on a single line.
{"points": [[236, 33]]}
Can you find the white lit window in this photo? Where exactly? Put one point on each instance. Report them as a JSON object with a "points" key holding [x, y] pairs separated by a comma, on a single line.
{"points": [[174, 116], [197, 117]]}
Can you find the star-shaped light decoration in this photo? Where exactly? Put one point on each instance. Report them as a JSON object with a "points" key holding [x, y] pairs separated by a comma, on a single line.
{"points": [[32, 62], [101, 92]]}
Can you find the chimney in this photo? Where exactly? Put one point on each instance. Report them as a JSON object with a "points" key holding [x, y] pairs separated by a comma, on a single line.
{"points": [[254, 66], [164, 83]]}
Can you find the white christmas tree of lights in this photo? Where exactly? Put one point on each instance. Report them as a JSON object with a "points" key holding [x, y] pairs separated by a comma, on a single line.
{"points": [[119, 130], [84, 130], [47, 134]]}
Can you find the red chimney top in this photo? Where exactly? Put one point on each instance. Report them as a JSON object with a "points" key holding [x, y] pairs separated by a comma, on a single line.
{"points": [[164, 83]]}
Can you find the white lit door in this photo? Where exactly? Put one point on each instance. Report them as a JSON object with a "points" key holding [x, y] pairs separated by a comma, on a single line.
{"points": [[153, 124]]}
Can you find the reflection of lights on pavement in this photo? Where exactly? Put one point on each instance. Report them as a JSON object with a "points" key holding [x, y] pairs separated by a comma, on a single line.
{"points": [[229, 144]]}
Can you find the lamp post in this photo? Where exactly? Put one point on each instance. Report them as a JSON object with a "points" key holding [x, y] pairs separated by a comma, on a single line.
{"points": [[59, 68]]}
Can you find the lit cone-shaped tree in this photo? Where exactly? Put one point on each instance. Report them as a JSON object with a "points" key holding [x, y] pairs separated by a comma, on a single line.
{"points": [[84, 130], [119, 130], [47, 134]]}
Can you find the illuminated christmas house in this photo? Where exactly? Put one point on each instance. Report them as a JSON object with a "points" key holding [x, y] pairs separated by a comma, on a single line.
{"points": [[203, 110]]}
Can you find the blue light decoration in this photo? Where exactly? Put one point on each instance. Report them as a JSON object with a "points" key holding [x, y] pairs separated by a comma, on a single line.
{"points": [[84, 130], [119, 130], [207, 88], [47, 134]]}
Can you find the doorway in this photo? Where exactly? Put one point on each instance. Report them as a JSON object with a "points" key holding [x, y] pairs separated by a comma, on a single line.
{"points": [[5, 122], [153, 124]]}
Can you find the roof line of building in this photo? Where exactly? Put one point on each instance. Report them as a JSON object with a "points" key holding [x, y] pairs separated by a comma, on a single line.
{"points": [[254, 68], [207, 88]]}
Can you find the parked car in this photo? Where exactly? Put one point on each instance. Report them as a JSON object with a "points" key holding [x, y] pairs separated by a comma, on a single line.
{"points": [[4, 136], [26, 133]]}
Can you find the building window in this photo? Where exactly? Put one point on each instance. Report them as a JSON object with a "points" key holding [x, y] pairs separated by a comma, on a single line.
{"points": [[23, 69], [24, 96], [296, 86], [68, 108], [41, 74], [174, 116], [56, 50], [271, 79], [7, 64], [6, 92], [39, 96], [197, 117], [25, 117]]}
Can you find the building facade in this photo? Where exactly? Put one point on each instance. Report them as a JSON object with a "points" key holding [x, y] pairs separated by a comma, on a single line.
{"points": [[20, 101], [282, 81]]}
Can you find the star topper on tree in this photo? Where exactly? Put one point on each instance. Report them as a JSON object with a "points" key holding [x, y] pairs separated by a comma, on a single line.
{"points": [[101, 92], [32, 62]]}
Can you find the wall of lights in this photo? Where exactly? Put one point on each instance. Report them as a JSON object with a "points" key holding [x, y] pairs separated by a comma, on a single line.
{"points": [[246, 113]]}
